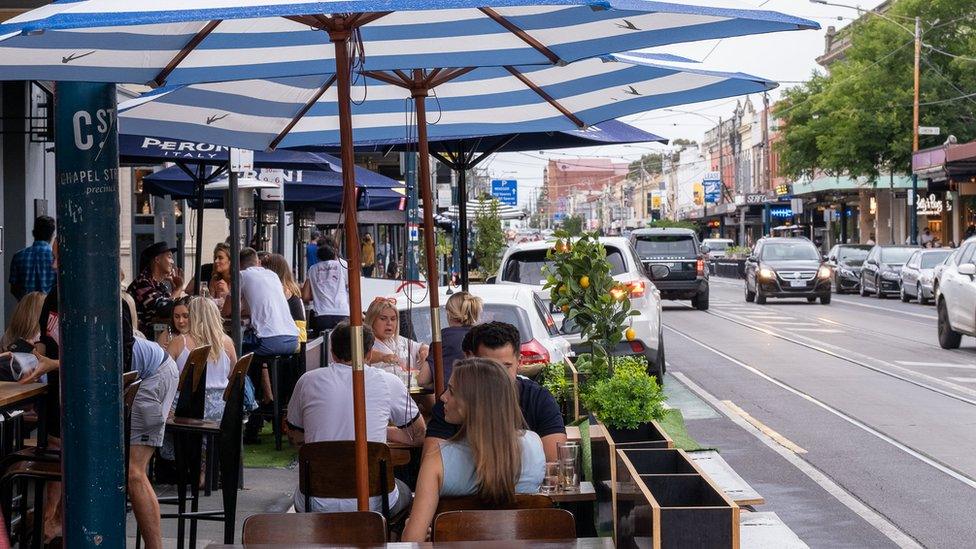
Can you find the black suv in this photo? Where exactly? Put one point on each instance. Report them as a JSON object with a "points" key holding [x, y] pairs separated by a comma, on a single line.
{"points": [[786, 267], [881, 273], [679, 251]]}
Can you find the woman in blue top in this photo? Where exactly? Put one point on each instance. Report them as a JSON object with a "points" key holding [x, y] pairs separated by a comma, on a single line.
{"points": [[493, 456]]}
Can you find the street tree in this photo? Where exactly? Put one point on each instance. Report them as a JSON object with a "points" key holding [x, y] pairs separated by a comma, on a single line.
{"points": [[489, 237]]}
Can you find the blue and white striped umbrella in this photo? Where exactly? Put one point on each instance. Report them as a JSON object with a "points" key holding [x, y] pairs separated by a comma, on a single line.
{"points": [[255, 114], [190, 41]]}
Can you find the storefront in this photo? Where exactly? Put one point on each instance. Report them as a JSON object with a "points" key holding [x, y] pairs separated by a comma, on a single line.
{"points": [[948, 207]]}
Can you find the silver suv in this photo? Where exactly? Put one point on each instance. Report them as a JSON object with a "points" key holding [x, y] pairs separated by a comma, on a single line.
{"points": [[956, 296]]}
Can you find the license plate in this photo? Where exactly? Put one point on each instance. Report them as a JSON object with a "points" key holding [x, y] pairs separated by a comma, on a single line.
{"points": [[798, 284]]}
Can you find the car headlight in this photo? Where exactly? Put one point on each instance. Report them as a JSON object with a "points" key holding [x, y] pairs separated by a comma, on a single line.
{"points": [[926, 277], [767, 274], [823, 271], [890, 275]]}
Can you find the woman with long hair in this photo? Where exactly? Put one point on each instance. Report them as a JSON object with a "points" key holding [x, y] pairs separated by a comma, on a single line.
{"points": [[493, 455], [179, 322], [463, 311], [24, 322], [391, 351], [207, 328]]}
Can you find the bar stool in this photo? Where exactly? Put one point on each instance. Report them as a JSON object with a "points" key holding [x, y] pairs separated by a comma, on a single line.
{"points": [[274, 364]]}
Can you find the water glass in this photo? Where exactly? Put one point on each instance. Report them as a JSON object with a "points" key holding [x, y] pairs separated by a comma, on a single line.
{"points": [[567, 451], [550, 482], [568, 477]]}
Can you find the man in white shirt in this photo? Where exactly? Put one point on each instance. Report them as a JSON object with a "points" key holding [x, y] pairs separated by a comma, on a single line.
{"points": [[263, 299], [321, 409]]}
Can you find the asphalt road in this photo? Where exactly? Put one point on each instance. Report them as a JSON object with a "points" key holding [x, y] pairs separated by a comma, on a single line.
{"points": [[885, 420]]}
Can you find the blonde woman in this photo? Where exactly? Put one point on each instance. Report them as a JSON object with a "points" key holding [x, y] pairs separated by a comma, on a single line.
{"points": [[391, 351], [207, 328], [463, 312], [24, 329], [493, 456]]}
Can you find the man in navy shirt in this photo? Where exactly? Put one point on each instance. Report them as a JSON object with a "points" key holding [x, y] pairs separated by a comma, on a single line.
{"points": [[500, 342], [31, 268]]}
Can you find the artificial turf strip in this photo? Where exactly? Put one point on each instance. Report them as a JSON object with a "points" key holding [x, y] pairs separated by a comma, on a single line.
{"points": [[673, 424], [264, 455]]}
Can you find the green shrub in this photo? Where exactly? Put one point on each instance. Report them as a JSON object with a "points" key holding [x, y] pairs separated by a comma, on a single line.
{"points": [[627, 398], [553, 378]]}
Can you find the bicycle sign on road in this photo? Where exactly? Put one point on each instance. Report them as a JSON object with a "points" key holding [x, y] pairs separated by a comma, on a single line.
{"points": [[505, 190]]}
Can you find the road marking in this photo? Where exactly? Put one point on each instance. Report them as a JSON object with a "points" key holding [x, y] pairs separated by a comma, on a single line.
{"points": [[964, 379], [887, 309], [872, 517], [936, 364], [788, 323], [818, 330], [766, 430]]}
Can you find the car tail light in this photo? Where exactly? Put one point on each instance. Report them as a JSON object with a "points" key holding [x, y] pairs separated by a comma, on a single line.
{"points": [[637, 346], [533, 352], [700, 266], [636, 288]]}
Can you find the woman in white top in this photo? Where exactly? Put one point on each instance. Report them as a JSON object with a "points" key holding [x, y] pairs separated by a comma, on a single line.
{"points": [[327, 289], [207, 328], [391, 351]]}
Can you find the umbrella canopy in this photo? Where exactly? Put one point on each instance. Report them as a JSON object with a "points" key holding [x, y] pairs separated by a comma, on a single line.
{"points": [[144, 41], [260, 114], [322, 188]]}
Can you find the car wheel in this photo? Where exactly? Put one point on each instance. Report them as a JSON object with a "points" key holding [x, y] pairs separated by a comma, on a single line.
{"points": [[760, 296], [811, 299], [662, 365], [750, 296], [948, 338], [922, 300], [836, 286], [700, 301], [825, 299], [863, 290], [904, 297], [877, 289]]}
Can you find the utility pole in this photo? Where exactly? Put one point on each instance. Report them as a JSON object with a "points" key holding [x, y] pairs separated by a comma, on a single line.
{"points": [[918, 54], [767, 170]]}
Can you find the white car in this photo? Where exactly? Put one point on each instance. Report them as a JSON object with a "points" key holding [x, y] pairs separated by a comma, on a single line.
{"points": [[523, 264], [956, 296], [516, 305], [717, 246]]}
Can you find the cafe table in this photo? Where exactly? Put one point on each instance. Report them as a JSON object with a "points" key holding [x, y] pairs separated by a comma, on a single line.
{"points": [[14, 396], [571, 543]]}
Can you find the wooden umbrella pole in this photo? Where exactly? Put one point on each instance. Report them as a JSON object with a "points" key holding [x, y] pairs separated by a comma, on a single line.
{"points": [[341, 40], [423, 170]]}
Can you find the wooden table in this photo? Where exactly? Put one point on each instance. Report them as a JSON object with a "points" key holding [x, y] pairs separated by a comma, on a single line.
{"points": [[13, 395], [585, 493], [578, 543], [573, 433]]}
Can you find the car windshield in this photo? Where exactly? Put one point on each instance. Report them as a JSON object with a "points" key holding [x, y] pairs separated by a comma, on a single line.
{"points": [[526, 267], [849, 255], [415, 323], [790, 251], [717, 244], [896, 255], [931, 259], [665, 244]]}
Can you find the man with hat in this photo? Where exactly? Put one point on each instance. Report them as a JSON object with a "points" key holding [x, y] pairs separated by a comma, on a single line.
{"points": [[159, 283]]}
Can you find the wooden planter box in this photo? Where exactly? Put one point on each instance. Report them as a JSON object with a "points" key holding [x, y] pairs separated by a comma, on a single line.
{"points": [[673, 505]]}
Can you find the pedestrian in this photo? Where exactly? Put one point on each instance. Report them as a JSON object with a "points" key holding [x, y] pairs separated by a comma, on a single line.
{"points": [[500, 342], [321, 409], [493, 456], [158, 285], [30, 268], [926, 238], [871, 241], [327, 289], [368, 255], [311, 249]]}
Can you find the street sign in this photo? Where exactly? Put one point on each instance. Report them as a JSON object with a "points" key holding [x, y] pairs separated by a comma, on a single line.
{"points": [[505, 190], [796, 204], [929, 130], [558, 216], [712, 182], [278, 178], [241, 160]]}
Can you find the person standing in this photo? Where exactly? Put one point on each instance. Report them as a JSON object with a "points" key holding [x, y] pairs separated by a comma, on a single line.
{"points": [[327, 289], [311, 249], [156, 288], [30, 268], [368, 255]]}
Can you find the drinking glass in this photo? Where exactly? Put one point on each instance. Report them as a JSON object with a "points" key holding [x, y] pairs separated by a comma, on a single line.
{"points": [[567, 451], [568, 477], [550, 482]]}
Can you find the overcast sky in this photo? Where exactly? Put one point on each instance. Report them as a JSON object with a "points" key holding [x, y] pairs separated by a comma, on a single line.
{"points": [[786, 57]]}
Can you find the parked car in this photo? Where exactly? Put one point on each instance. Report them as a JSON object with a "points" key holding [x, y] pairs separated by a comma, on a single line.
{"points": [[845, 261], [525, 263], [937, 272], [786, 267], [516, 305], [881, 273], [715, 247], [918, 274], [679, 251], [956, 299]]}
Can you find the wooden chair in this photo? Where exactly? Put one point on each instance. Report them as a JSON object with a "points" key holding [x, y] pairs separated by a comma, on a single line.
{"points": [[519, 524], [325, 470], [474, 503], [366, 527]]}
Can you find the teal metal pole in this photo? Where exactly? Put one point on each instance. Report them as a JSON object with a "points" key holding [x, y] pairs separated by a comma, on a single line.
{"points": [[87, 166], [413, 216]]}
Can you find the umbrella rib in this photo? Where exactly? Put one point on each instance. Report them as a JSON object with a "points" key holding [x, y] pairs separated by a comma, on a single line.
{"points": [[522, 35], [543, 94], [385, 77], [447, 76], [183, 53], [303, 111], [493, 149]]}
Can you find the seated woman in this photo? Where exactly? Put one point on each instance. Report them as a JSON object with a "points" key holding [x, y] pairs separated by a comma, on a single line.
{"points": [[179, 322], [463, 311], [24, 329], [391, 351], [207, 328], [216, 274], [493, 455]]}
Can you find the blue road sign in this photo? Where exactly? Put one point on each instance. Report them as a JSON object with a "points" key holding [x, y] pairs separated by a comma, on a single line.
{"points": [[505, 190]]}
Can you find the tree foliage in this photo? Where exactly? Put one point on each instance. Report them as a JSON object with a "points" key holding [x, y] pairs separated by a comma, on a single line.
{"points": [[858, 119], [573, 225], [489, 238], [653, 163]]}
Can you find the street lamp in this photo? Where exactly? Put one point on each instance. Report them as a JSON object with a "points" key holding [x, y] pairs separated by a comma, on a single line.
{"points": [[917, 33]]}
